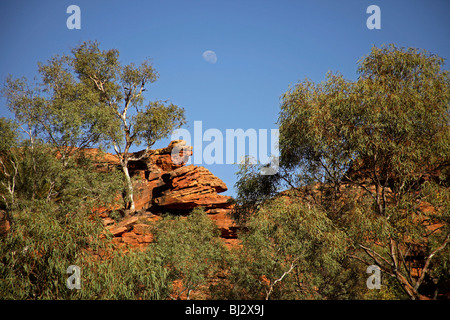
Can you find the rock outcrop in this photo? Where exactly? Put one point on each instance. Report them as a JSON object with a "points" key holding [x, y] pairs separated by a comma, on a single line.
{"points": [[163, 185], [188, 187]]}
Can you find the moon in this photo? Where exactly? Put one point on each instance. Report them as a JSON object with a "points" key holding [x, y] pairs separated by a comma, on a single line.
{"points": [[210, 56]]}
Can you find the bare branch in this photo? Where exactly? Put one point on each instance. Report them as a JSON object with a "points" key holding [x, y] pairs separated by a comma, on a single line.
{"points": [[393, 248], [360, 185], [373, 254], [280, 279]]}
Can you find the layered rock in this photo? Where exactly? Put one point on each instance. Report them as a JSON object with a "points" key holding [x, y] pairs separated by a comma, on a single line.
{"points": [[134, 231], [188, 187], [166, 186]]}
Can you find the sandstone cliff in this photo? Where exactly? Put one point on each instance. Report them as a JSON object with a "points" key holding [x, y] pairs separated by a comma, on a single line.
{"points": [[162, 186]]}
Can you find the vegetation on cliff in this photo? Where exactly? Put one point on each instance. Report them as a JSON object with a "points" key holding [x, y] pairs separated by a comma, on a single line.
{"points": [[373, 155], [363, 180]]}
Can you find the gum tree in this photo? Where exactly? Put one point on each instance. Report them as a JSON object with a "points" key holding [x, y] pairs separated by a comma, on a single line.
{"points": [[57, 110], [54, 112], [374, 153], [289, 251], [400, 133], [119, 90], [189, 247], [88, 98], [49, 190]]}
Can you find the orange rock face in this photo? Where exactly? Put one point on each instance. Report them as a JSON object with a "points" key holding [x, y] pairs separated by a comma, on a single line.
{"points": [[162, 186], [188, 187]]}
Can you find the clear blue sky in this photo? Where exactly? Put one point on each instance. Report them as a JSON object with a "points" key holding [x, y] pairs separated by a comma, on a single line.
{"points": [[262, 47]]}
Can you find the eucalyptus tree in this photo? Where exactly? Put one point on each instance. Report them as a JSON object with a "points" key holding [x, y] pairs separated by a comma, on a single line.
{"points": [[49, 189], [90, 97], [119, 90], [374, 154]]}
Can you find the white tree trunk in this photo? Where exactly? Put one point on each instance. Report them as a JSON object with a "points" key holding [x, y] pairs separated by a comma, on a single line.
{"points": [[130, 186]]}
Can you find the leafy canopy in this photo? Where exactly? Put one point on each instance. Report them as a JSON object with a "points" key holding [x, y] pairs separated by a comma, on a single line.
{"points": [[369, 152]]}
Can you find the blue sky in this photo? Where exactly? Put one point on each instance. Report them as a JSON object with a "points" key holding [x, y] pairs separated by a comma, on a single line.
{"points": [[262, 47]]}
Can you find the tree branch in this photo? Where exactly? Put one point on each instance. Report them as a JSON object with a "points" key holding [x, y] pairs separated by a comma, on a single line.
{"points": [[428, 261], [280, 279], [373, 254], [360, 185]]}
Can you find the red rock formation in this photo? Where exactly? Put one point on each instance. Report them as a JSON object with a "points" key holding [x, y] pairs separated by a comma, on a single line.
{"points": [[188, 187], [163, 186], [4, 223]]}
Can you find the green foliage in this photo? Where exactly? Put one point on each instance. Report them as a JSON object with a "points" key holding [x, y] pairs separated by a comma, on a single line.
{"points": [[366, 163], [8, 168], [252, 190], [52, 227], [50, 187], [42, 243], [362, 150], [58, 109], [8, 135], [132, 275], [397, 121], [89, 98], [312, 135], [401, 124], [119, 91], [157, 121], [38, 174], [190, 248], [290, 251]]}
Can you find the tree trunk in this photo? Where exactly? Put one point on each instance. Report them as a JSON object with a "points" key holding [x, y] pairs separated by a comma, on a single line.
{"points": [[129, 185]]}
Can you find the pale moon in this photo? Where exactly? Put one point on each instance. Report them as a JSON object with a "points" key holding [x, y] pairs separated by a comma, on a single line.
{"points": [[210, 56]]}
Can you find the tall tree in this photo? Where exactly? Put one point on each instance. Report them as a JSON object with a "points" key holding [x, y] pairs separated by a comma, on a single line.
{"points": [[400, 131], [120, 90], [374, 153], [55, 112], [49, 190], [58, 109], [289, 251], [8, 163]]}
